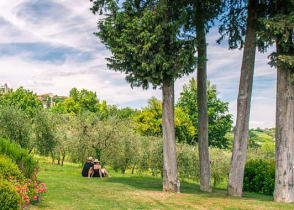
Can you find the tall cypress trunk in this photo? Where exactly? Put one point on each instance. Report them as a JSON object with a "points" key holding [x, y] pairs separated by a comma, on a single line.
{"points": [[205, 183], [236, 176], [169, 141], [284, 181]]}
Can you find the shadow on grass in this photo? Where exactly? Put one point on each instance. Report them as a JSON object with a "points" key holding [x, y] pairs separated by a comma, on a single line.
{"points": [[155, 184]]}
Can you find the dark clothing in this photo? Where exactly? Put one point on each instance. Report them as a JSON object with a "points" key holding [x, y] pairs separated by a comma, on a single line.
{"points": [[96, 173], [86, 168]]}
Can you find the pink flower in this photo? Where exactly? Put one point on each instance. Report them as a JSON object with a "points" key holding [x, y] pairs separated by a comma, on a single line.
{"points": [[35, 198], [15, 179], [10, 177], [27, 201]]}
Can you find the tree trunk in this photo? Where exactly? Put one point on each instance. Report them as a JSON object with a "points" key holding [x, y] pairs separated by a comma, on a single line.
{"points": [[169, 141], [63, 158], [236, 176], [133, 169], [284, 181], [53, 158], [205, 182]]}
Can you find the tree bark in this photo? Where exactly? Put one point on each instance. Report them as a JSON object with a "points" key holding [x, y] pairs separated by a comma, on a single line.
{"points": [[63, 158], [236, 176], [205, 182], [53, 158], [284, 180], [169, 141]]}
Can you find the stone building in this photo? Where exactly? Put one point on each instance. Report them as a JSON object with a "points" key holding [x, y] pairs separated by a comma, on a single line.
{"points": [[4, 89]]}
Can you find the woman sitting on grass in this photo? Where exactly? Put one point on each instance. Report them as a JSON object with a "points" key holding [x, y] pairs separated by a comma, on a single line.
{"points": [[98, 171]]}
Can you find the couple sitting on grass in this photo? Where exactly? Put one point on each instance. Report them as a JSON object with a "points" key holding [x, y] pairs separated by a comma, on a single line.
{"points": [[94, 170]]}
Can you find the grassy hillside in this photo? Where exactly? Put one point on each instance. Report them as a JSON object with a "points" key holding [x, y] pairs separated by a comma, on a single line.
{"points": [[68, 190], [259, 136]]}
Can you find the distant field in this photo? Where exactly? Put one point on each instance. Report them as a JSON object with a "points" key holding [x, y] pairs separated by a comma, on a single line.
{"points": [[262, 136], [68, 190]]}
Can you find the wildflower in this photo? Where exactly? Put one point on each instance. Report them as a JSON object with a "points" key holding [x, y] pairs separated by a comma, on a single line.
{"points": [[35, 198]]}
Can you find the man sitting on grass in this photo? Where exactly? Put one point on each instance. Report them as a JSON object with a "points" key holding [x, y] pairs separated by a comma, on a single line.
{"points": [[88, 168]]}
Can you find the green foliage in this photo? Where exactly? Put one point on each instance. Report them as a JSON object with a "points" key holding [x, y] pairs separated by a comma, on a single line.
{"points": [[151, 155], [259, 176], [24, 99], [44, 131], [266, 151], [233, 21], [81, 101], [252, 140], [219, 164], [126, 146], [219, 121], [24, 161], [188, 162], [9, 168], [149, 122], [9, 197], [15, 125], [278, 28], [146, 40], [126, 113]]}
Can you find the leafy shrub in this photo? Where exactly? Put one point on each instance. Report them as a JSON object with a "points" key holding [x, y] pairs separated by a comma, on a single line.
{"points": [[189, 165], [9, 168], [9, 196], [219, 164], [188, 161], [24, 161], [259, 176], [16, 126]]}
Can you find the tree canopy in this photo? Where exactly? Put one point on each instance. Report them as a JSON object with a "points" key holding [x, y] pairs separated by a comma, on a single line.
{"points": [[24, 99], [146, 41], [149, 122], [220, 121]]}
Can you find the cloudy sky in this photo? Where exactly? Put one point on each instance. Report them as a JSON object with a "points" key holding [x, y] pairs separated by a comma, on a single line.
{"points": [[49, 46]]}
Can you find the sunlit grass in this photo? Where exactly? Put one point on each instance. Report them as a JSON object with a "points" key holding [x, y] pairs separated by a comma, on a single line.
{"points": [[68, 190]]}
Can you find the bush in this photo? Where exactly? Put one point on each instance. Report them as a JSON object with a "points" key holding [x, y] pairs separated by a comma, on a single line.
{"points": [[16, 126], [259, 176], [219, 164], [9, 168], [188, 161], [25, 162], [9, 197]]}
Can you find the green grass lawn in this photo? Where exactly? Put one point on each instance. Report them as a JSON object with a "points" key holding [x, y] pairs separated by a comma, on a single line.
{"points": [[68, 190]]}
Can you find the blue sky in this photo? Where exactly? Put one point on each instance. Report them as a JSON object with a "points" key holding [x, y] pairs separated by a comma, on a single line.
{"points": [[49, 46]]}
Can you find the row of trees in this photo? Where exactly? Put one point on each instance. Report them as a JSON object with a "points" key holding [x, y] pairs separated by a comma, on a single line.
{"points": [[23, 120], [153, 42], [113, 135]]}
